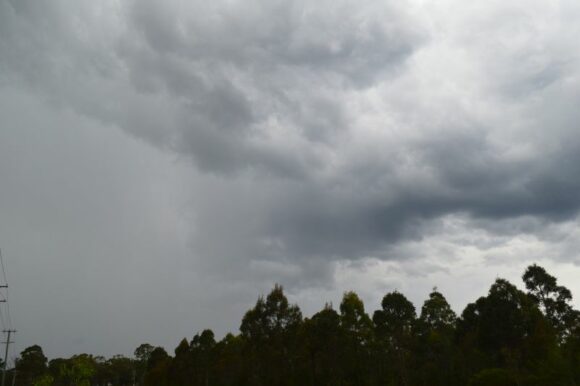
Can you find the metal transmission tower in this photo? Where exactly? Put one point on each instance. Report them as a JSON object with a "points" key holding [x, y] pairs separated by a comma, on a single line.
{"points": [[7, 343], [7, 325]]}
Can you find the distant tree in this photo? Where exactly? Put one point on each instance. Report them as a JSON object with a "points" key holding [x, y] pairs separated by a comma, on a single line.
{"points": [[229, 360], [158, 367], [142, 355], [103, 373], [121, 370], [396, 318], [505, 330], [31, 365], [553, 300], [500, 320], [322, 339], [181, 371], [436, 313], [79, 369], [270, 330], [353, 318], [143, 352], [357, 329], [505, 338], [202, 348], [435, 348], [271, 318], [394, 330], [54, 369]]}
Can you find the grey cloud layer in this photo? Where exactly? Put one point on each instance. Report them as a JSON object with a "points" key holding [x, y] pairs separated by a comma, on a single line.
{"points": [[328, 130]]}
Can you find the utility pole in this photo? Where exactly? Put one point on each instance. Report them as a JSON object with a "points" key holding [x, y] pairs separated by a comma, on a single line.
{"points": [[7, 343]]}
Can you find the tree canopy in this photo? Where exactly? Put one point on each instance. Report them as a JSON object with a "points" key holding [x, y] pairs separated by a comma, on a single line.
{"points": [[509, 337]]}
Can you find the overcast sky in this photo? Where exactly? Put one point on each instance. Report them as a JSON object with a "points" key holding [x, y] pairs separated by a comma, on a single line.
{"points": [[163, 163]]}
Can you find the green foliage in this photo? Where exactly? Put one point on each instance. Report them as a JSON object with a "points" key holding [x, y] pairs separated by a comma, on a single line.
{"points": [[493, 377], [434, 351], [158, 367], [32, 365], [44, 380], [353, 318], [270, 319], [270, 330], [322, 342], [553, 300], [143, 352], [436, 313], [142, 355], [357, 338], [121, 369], [79, 369], [394, 331]]}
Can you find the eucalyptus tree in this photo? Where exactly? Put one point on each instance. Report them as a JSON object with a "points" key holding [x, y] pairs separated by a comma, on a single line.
{"points": [[554, 300], [31, 365], [357, 347], [394, 324], [322, 337], [434, 357], [270, 330]]}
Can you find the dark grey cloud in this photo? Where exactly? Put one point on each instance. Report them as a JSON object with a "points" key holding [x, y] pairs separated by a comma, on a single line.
{"points": [[226, 81]]}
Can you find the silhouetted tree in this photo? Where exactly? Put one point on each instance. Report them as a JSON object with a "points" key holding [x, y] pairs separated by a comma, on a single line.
{"points": [[158, 367], [270, 330], [322, 339], [553, 300], [31, 365], [394, 330], [142, 354], [202, 348], [505, 338], [357, 340], [435, 349]]}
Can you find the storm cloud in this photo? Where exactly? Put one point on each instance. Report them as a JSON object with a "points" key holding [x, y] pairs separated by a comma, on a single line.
{"points": [[311, 143]]}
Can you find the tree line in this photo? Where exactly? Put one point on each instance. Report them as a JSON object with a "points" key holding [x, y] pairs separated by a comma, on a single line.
{"points": [[508, 337]]}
